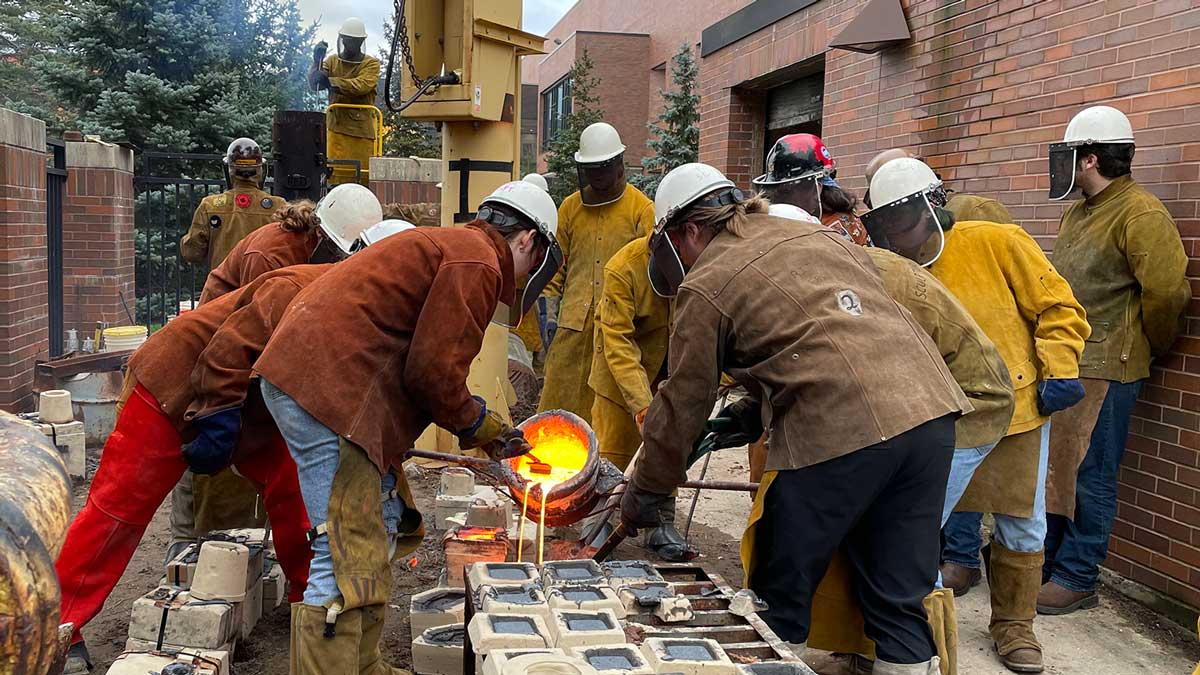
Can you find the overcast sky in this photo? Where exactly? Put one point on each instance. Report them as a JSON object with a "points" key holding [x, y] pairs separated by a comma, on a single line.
{"points": [[539, 15]]}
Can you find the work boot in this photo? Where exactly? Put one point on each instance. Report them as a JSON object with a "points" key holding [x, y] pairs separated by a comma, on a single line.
{"points": [[858, 664], [930, 667], [797, 648], [1055, 600], [79, 662], [665, 540], [370, 659], [960, 579], [318, 648], [1013, 578]]}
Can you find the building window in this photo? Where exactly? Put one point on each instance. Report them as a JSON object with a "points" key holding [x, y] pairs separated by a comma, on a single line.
{"points": [[556, 106]]}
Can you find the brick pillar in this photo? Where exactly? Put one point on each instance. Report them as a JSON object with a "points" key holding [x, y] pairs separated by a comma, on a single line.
{"points": [[24, 293], [404, 180], [98, 262]]}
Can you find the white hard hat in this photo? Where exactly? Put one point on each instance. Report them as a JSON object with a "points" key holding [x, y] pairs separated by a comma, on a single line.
{"points": [[530, 200], [684, 185], [380, 231], [353, 28], [792, 212], [1099, 124], [538, 180], [900, 178], [346, 211], [598, 143]]}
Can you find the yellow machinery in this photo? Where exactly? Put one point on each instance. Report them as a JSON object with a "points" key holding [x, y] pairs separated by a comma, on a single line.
{"points": [[474, 46], [343, 147]]}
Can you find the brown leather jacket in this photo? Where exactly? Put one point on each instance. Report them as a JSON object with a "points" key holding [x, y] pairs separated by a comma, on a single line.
{"points": [[379, 347], [1122, 255], [268, 248], [799, 316]]}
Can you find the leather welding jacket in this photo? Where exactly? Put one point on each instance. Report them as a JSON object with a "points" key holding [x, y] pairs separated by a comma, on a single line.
{"points": [[420, 213], [355, 84], [379, 346], [221, 221], [970, 355], [1122, 254], [1005, 281], [974, 207], [799, 316], [263, 250], [633, 325]]}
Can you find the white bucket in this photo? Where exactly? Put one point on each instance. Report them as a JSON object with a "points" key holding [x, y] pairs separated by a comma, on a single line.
{"points": [[121, 338]]}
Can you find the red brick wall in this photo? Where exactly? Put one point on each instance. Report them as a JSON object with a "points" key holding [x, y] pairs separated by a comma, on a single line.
{"points": [[405, 192], [981, 91], [98, 236], [23, 285]]}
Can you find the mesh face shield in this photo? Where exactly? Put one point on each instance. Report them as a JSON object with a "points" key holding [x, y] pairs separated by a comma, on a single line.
{"points": [[666, 267], [908, 227], [603, 182], [537, 282], [1062, 170]]}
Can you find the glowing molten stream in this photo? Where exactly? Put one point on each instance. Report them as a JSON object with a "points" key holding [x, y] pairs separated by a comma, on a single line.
{"points": [[560, 451]]}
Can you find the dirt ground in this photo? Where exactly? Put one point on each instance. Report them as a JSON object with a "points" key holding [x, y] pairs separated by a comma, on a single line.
{"points": [[1119, 638]]}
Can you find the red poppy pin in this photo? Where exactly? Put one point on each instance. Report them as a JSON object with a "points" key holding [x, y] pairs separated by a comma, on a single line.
{"points": [[243, 201]]}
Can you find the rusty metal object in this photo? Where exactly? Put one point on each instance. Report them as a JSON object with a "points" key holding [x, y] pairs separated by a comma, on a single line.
{"points": [[35, 510]]}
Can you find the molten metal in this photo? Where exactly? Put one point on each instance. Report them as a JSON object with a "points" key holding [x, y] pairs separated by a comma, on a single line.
{"points": [[555, 482]]}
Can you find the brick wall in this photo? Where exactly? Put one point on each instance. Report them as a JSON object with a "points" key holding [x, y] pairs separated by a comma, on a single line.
{"points": [[981, 91], [23, 285], [403, 180], [98, 236]]}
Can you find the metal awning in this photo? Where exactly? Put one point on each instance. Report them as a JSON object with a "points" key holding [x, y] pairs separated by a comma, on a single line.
{"points": [[881, 24]]}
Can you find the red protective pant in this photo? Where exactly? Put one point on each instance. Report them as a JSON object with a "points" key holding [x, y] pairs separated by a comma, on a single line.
{"points": [[140, 465]]}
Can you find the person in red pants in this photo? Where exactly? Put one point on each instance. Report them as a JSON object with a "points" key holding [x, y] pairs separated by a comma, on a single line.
{"points": [[153, 443]]}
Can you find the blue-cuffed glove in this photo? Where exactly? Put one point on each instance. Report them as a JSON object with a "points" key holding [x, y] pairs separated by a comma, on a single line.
{"points": [[217, 435], [1056, 395]]}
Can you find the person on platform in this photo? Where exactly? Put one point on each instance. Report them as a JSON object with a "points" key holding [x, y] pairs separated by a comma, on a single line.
{"points": [[352, 79], [604, 215], [222, 220], [396, 362], [781, 306], [1008, 285], [1121, 252]]}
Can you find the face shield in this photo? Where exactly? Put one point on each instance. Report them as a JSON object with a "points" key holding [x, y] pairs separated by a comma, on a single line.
{"points": [[909, 227], [537, 281], [802, 191], [350, 48], [327, 252], [666, 267], [603, 182], [1062, 170]]}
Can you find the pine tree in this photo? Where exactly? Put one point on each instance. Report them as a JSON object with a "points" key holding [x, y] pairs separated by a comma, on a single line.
{"points": [[26, 32], [585, 110], [676, 132], [179, 75], [402, 137]]}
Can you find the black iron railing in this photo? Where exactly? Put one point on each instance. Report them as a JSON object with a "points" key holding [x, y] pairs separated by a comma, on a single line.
{"points": [[56, 183]]}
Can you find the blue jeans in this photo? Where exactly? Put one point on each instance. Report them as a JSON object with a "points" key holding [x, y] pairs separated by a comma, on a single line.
{"points": [[1075, 549], [960, 531], [316, 450]]}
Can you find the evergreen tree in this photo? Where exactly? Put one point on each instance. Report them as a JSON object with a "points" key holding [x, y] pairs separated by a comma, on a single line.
{"points": [[26, 32], [585, 110], [180, 75], [402, 137], [675, 134]]}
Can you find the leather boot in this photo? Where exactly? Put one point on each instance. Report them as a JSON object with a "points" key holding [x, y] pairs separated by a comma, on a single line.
{"points": [[1014, 579], [665, 540], [370, 659], [960, 579], [317, 649], [930, 667], [1055, 600], [943, 623]]}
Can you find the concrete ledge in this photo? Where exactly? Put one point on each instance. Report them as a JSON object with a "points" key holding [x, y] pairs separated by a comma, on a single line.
{"points": [[406, 169], [1156, 601], [99, 156], [22, 131]]}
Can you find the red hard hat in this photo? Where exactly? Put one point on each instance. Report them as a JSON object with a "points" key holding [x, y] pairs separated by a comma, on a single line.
{"points": [[797, 156]]}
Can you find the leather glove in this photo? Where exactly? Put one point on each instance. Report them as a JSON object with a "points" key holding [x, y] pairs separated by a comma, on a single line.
{"points": [[487, 428], [1056, 395], [213, 447], [640, 509], [319, 51], [511, 443], [737, 424]]}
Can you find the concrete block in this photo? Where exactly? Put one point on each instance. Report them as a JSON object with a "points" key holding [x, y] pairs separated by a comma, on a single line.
{"points": [[619, 658], [503, 574], [587, 598], [204, 625], [72, 443], [446, 506], [776, 668], [436, 607], [527, 599], [274, 588], [202, 662], [507, 631], [439, 651], [457, 481], [687, 656], [497, 658], [640, 599], [224, 654], [490, 512], [571, 572], [577, 628], [251, 608], [675, 609], [622, 573]]}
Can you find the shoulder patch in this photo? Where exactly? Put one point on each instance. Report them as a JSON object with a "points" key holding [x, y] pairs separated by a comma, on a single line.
{"points": [[243, 200], [221, 199], [849, 303], [214, 221], [267, 203]]}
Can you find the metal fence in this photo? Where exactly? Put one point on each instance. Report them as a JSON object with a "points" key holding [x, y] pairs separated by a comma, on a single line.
{"points": [[56, 183]]}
